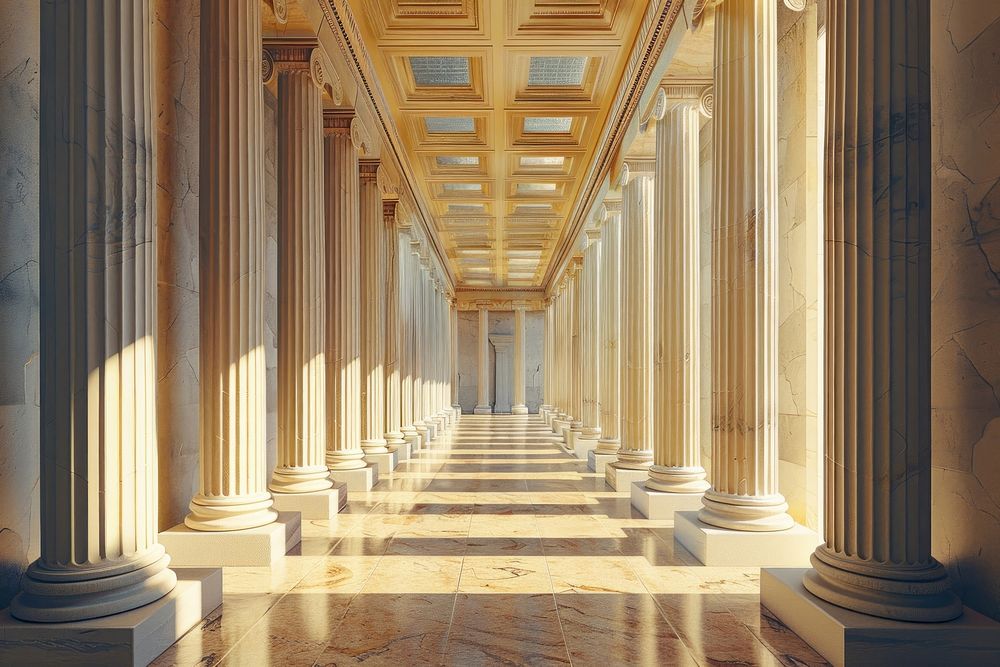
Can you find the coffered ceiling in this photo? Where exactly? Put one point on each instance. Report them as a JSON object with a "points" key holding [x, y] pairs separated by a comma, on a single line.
{"points": [[499, 106]]}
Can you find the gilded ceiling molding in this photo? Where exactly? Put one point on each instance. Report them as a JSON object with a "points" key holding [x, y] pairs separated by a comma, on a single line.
{"points": [[340, 19], [657, 22]]}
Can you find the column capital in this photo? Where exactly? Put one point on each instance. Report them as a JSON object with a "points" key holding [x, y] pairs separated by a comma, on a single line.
{"points": [[634, 167], [613, 206], [519, 305], [389, 212], [483, 305], [338, 121], [368, 170], [280, 10], [593, 236], [279, 56], [694, 92]]}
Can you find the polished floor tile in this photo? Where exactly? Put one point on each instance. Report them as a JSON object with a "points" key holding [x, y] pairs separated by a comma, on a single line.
{"points": [[490, 547]]}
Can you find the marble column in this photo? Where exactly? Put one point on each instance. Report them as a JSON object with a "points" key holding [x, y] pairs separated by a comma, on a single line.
{"points": [[676, 274], [483, 403], [576, 361], [610, 325], [547, 364], [590, 363], [636, 372], [744, 493], [519, 408], [372, 311], [877, 557], [419, 339], [407, 341], [343, 249], [99, 554], [301, 465], [453, 340], [393, 389], [232, 482]]}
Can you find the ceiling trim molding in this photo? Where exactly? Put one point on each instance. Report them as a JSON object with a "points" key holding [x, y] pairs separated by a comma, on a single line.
{"points": [[345, 29], [656, 26]]}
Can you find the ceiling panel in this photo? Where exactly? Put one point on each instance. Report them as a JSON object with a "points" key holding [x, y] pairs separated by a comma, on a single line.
{"points": [[498, 104]]}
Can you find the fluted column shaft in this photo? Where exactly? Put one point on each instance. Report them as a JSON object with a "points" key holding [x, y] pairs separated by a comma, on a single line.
{"points": [[519, 408], [97, 266], [407, 340], [232, 482], [453, 340], [744, 493], [547, 361], [877, 557], [610, 326], [483, 344], [372, 312], [576, 347], [676, 333], [343, 247], [393, 389], [636, 367], [419, 338], [590, 363], [301, 465]]}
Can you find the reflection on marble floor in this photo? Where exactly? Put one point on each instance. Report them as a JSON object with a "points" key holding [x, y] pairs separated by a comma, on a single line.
{"points": [[492, 547]]}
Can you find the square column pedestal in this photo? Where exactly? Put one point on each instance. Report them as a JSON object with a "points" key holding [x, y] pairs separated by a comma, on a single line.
{"points": [[253, 547], [621, 479], [359, 480], [134, 637], [403, 452], [660, 505], [583, 446], [319, 505], [846, 637], [386, 463], [742, 548], [598, 462]]}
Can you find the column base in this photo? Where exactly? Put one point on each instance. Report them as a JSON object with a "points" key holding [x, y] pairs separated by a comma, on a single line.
{"points": [[569, 440], [483, 410], [358, 480], [403, 452], [620, 479], [846, 637], [741, 548], [661, 505], [598, 462], [133, 637], [456, 410], [519, 410], [386, 462], [251, 547], [560, 425], [583, 446], [315, 505]]}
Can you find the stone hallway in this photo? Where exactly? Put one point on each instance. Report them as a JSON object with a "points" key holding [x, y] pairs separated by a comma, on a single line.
{"points": [[491, 547]]}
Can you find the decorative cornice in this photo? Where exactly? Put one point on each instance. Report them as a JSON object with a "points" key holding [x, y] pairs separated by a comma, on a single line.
{"points": [[657, 22], [348, 37]]}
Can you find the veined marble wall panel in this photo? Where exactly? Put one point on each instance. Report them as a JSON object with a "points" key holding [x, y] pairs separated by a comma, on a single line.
{"points": [[705, 288], [965, 302], [501, 322], [176, 36], [19, 535], [799, 278], [271, 275]]}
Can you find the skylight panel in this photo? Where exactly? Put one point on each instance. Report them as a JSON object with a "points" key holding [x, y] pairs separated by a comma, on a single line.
{"points": [[440, 70], [449, 124], [556, 70], [547, 124]]}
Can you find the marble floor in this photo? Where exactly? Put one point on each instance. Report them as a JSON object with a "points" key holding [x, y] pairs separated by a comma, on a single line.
{"points": [[492, 547]]}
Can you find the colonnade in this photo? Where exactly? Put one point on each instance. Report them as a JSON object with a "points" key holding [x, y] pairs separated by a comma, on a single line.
{"points": [[363, 364], [875, 558]]}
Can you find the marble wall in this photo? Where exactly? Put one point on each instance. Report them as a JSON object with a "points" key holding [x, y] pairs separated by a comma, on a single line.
{"points": [[19, 535], [468, 355], [965, 306], [800, 360]]}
